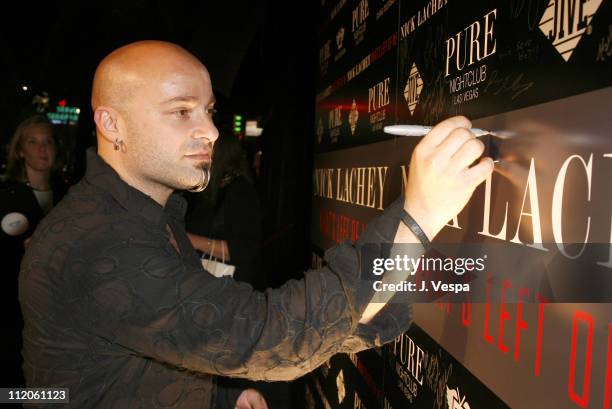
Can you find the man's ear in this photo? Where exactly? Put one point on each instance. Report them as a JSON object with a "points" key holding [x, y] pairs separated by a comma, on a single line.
{"points": [[106, 120]]}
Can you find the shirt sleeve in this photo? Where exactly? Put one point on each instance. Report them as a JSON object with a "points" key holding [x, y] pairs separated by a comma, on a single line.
{"points": [[142, 297]]}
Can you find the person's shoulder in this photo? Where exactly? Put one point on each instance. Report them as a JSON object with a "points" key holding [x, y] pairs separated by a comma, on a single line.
{"points": [[10, 186], [82, 212], [83, 225], [17, 197], [18, 203]]}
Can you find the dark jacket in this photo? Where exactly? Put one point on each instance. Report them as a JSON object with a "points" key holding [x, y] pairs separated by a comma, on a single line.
{"points": [[16, 197], [19, 197]]}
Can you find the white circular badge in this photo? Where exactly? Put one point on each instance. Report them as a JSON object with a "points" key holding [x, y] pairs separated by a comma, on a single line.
{"points": [[14, 224]]}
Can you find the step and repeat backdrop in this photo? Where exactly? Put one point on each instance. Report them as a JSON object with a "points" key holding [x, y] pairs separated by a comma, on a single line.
{"points": [[539, 74]]}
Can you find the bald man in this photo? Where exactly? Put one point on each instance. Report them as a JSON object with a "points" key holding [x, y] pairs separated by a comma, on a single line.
{"points": [[116, 304]]}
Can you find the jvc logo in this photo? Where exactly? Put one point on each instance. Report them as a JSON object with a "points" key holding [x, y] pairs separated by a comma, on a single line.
{"points": [[568, 16], [565, 21], [413, 88], [454, 399]]}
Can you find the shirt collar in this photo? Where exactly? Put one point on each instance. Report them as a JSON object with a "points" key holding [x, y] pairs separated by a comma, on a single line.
{"points": [[102, 175]]}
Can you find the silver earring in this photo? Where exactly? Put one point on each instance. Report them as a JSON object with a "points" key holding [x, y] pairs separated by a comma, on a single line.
{"points": [[117, 144], [202, 185]]}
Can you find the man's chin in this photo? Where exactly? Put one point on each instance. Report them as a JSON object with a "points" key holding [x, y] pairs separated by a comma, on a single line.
{"points": [[197, 179]]}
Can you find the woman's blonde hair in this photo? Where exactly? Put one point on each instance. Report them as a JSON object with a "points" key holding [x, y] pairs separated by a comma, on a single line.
{"points": [[15, 167]]}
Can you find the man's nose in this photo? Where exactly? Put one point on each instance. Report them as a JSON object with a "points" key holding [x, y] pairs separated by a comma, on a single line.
{"points": [[207, 130]]}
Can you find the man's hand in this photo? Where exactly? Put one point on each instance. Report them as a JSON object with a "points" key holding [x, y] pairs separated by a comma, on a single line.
{"points": [[251, 399], [440, 181]]}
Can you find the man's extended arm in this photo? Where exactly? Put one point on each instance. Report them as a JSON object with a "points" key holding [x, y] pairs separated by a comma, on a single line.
{"points": [[189, 319], [440, 183]]}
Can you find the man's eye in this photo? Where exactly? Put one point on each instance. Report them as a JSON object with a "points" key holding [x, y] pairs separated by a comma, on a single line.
{"points": [[182, 113], [211, 111]]}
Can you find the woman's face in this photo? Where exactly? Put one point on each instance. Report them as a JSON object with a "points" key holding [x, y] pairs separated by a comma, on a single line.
{"points": [[38, 148]]}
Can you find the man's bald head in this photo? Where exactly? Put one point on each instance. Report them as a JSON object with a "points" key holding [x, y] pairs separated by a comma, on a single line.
{"points": [[121, 73], [153, 105]]}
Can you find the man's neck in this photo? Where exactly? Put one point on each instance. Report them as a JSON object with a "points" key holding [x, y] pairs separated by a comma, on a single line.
{"points": [[155, 191], [38, 179], [160, 195]]}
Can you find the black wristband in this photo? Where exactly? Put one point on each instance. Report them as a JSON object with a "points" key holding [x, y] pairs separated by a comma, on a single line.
{"points": [[415, 228]]}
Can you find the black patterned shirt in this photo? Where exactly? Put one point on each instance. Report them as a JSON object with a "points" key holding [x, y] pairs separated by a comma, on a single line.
{"points": [[125, 320]]}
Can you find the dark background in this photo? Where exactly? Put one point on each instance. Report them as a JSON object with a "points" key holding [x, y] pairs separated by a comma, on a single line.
{"points": [[261, 57]]}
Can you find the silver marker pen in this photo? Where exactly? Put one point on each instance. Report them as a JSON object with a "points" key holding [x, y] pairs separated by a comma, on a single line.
{"points": [[420, 130]]}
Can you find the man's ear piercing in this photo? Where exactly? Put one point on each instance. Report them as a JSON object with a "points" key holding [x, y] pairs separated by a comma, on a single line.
{"points": [[117, 144]]}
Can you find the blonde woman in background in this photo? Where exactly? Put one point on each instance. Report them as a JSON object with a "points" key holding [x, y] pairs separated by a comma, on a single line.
{"points": [[30, 189]]}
